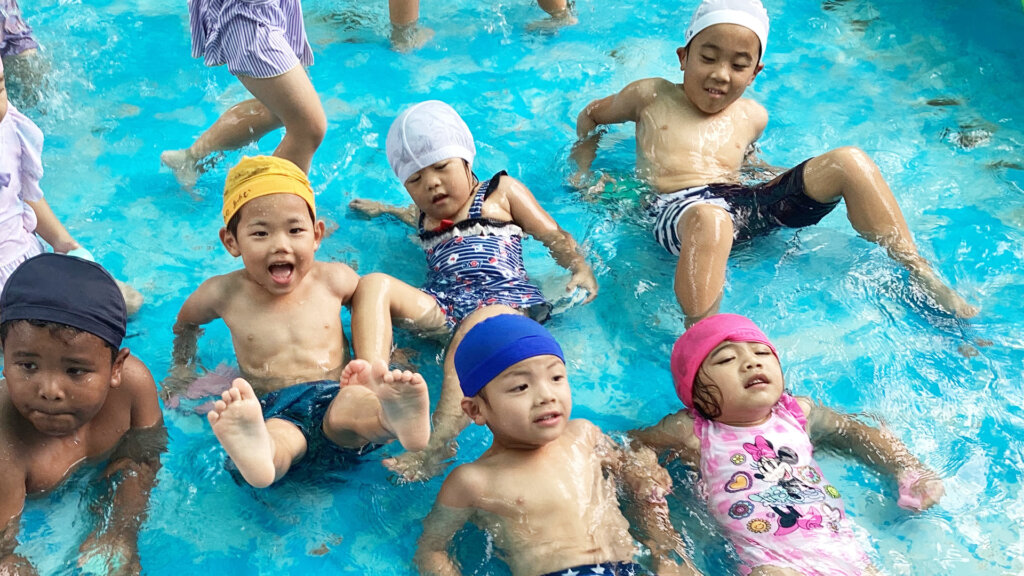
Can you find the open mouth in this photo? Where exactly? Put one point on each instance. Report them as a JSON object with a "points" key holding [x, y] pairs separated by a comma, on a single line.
{"points": [[549, 418], [438, 198], [757, 380], [281, 273]]}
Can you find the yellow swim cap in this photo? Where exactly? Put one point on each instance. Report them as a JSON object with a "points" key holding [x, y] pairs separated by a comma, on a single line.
{"points": [[259, 176]]}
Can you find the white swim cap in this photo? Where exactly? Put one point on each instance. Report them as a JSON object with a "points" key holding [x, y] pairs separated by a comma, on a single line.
{"points": [[427, 133], [747, 13]]}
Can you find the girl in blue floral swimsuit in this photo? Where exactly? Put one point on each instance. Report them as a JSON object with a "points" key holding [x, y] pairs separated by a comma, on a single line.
{"points": [[471, 232]]}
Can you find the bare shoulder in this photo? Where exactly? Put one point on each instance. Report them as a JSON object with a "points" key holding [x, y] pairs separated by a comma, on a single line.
{"points": [[138, 384], [585, 430], [464, 486], [649, 89], [339, 277], [752, 112]]}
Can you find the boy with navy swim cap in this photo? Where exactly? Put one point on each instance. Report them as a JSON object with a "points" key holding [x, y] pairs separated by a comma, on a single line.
{"points": [[545, 488], [70, 395], [691, 141]]}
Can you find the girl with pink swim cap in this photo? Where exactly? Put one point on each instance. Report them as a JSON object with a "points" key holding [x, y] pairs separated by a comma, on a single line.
{"points": [[752, 442]]}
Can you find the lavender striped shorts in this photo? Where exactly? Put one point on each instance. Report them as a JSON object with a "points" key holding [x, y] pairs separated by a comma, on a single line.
{"points": [[255, 38]]}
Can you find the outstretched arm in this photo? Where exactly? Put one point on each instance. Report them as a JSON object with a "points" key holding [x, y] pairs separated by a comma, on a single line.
{"points": [[200, 308], [919, 487], [535, 221], [648, 483], [622, 107], [12, 500], [372, 209], [673, 434], [130, 477]]}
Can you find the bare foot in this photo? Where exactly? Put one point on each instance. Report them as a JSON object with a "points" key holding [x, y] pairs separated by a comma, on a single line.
{"points": [[183, 165], [237, 420], [405, 406], [554, 22], [944, 296], [409, 38]]}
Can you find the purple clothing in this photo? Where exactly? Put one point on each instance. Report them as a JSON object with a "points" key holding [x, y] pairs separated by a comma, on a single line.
{"points": [[255, 38], [15, 33], [21, 167]]}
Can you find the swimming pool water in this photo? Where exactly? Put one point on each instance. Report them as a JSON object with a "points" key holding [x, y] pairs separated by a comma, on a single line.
{"points": [[931, 91]]}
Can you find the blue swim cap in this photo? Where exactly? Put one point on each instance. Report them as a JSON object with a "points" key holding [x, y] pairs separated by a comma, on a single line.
{"points": [[66, 290], [498, 342]]}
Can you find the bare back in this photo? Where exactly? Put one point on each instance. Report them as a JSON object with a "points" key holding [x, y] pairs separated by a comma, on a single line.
{"points": [[281, 340], [549, 508]]}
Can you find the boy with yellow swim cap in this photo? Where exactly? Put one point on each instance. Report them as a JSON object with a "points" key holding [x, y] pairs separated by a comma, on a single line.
{"points": [[283, 309]]}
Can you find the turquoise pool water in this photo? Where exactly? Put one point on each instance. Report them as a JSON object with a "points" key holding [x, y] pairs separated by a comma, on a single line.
{"points": [[934, 98]]}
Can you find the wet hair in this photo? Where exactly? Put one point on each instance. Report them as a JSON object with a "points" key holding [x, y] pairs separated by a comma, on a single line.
{"points": [[63, 332], [234, 221], [707, 397]]}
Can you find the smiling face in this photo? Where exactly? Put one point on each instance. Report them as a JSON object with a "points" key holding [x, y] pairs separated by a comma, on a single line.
{"points": [[526, 406], [719, 63], [442, 189], [744, 378], [58, 378], [277, 239]]}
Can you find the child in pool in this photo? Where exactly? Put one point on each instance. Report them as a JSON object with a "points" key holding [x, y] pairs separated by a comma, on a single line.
{"points": [[753, 444], [406, 35], [545, 489], [24, 212], [472, 233], [264, 45], [72, 395], [691, 141], [283, 309]]}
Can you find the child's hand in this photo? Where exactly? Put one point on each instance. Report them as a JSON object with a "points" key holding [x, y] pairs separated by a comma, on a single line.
{"points": [[108, 554], [919, 489], [369, 208], [646, 478], [421, 466], [584, 280]]}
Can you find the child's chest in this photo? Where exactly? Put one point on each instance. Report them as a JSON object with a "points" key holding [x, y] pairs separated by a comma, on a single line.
{"points": [[52, 460]]}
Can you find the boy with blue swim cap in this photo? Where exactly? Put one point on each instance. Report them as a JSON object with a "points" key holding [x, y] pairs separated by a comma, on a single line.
{"points": [[72, 394], [545, 489], [692, 139]]}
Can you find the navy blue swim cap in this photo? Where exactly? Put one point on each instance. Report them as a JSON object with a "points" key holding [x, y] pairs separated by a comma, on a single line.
{"points": [[66, 290], [498, 342]]}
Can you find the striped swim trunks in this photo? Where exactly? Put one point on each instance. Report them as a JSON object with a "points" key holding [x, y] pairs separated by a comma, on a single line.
{"points": [[755, 210], [258, 39]]}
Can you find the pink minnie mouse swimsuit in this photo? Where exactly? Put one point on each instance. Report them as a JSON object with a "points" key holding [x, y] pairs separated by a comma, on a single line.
{"points": [[768, 494]]}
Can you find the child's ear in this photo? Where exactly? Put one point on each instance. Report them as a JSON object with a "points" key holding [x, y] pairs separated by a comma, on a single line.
{"points": [[681, 53], [319, 229], [471, 408], [757, 70], [229, 242], [118, 367]]}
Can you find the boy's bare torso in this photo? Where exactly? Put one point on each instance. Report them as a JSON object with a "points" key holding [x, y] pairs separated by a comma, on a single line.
{"points": [[678, 146], [553, 507], [281, 340]]}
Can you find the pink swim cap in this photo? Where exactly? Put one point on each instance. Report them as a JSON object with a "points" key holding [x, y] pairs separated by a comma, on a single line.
{"points": [[695, 344]]}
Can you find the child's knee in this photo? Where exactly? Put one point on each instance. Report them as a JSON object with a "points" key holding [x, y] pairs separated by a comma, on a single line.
{"points": [[849, 159], [705, 222], [372, 284]]}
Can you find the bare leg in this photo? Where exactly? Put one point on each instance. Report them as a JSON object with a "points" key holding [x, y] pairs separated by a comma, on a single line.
{"points": [[405, 34], [849, 173], [240, 125], [560, 12], [705, 236], [398, 408], [379, 301], [449, 420], [292, 98], [262, 450]]}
